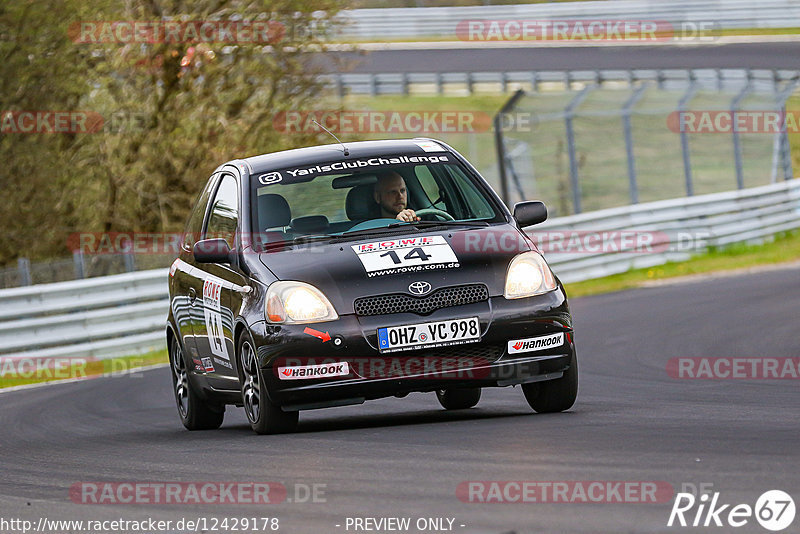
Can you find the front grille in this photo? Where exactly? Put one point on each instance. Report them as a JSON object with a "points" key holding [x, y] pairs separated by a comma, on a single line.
{"points": [[477, 353], [403, 303]]}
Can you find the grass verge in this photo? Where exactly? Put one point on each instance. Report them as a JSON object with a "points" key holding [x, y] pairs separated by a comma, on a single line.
{"points": [[28, 371], [784, 248]]}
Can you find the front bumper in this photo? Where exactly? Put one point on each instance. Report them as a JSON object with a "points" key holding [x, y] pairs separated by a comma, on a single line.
{"points": [[371, 374]]}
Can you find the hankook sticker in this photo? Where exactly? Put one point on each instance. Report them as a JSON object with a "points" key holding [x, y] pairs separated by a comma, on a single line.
{"points": [[535, 343]]}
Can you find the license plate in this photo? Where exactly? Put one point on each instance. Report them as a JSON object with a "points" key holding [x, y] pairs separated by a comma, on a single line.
{"points": [[434, 334]]}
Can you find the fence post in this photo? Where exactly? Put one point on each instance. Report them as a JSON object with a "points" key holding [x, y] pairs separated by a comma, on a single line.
{"points": [[627, 109], [77, 260], [373, 85], [776, 156], [24, 267], [569, 115], [737, 142], [783, 140], [786, 156], [340, 85], [687, 162], [499, 143], [130, 261]]}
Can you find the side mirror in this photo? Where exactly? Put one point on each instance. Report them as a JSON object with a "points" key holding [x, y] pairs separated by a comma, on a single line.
{"points": [[530, 212], [213, 251]]}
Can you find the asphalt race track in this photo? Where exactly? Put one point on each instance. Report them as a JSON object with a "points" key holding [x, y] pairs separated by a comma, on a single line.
{"points": [[406, 457], [784, 55]]}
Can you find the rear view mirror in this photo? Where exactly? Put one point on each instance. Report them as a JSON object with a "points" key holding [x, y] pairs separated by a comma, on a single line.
{"points": [[212, 251], [530, 212]]}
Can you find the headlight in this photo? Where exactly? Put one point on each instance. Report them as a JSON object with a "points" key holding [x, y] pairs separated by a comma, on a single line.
{"points": [[528, 275], [297, 302]]}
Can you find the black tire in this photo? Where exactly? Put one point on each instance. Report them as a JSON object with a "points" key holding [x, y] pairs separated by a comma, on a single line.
{"points": [[263, 416], [554, 395], [458, 399], [195, 412]]}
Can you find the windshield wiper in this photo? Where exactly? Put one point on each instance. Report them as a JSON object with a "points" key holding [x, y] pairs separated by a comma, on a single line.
{"points": [[393, 227], [408, 226], [311, 238], [271, 245], [428, 224], [370, 231]]}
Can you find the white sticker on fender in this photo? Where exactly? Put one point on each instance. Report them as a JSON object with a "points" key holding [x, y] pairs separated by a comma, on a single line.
{"points": [[325, 370], [408, 254], [535, 343], [212, 293]]}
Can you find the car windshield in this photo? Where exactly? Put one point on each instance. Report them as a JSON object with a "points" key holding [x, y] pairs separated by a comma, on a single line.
{"points": [[346, 198]]}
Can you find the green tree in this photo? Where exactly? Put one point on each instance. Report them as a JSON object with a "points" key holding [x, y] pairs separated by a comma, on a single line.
{"points": [[40, 69], [173, 109]]}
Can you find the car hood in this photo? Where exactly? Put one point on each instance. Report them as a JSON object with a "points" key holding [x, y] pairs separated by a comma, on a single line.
{"points": [[482, 256]]}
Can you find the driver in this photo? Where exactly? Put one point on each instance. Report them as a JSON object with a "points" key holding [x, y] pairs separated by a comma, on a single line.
{"points": [[391, 194]]}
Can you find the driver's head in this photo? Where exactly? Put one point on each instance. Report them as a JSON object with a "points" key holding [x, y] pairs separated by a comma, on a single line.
{"points": [[390, 193]]}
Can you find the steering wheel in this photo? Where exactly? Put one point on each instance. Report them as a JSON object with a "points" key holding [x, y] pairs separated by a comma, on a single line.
{"points": [[434, 211]]}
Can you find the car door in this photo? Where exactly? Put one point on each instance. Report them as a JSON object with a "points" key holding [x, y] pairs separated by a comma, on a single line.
{"points": [[186, 285], [220, 283]]}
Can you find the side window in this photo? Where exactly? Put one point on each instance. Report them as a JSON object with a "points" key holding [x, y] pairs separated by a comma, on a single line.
{"points": [[477, 207], [224, 211], [195, 224], [429, 185]]}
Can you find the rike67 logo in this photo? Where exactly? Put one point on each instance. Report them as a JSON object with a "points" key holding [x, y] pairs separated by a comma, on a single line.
{"points": [[774, 510]]}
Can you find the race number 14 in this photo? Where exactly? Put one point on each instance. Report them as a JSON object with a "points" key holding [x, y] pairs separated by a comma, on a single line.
{"points": [[414, 253]]}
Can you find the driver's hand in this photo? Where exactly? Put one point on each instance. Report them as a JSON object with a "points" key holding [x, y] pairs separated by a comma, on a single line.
{"points": [[407, 216]]}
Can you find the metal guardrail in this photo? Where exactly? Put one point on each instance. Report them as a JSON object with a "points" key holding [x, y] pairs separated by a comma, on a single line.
{"points": [[97, 317], [393, 83], [125, 314], [404, 23], [675, 229]]}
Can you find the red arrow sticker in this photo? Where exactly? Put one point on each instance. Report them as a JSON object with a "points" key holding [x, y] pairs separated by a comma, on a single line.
{"points": [[324, 336]]}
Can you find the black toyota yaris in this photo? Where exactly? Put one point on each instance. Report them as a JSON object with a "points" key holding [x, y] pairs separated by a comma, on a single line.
{"points": [[331, 275]]}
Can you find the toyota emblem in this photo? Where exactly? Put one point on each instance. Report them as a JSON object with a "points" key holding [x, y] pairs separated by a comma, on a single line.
{"points": [[419, 287]]}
